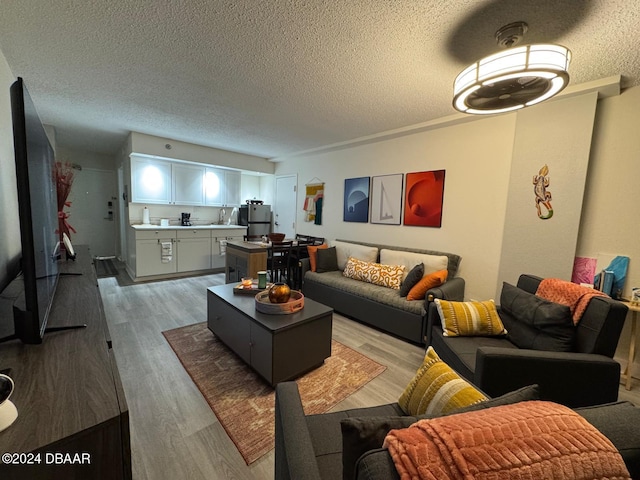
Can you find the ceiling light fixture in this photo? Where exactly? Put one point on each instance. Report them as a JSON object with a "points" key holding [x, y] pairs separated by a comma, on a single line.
{"points": [[515, 78]]}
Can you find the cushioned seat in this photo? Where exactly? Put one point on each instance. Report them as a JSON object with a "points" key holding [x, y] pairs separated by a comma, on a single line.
{"points": [[461, 351], [387, 296], [573, 365], [327, 435]]}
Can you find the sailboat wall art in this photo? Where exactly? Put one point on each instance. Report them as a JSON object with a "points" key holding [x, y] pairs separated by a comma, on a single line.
{"points": [[386, 199]]}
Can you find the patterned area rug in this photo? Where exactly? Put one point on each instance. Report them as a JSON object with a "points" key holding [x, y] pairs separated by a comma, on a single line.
{"points": [[244, 403]]}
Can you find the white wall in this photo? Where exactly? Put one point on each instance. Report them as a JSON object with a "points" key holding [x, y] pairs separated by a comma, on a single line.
{"points": [[476, 156], [249, 187], [268, 189], [530, 244], [10, 241], [86, 159], [610, 214], [150, 145], [609, 221]]}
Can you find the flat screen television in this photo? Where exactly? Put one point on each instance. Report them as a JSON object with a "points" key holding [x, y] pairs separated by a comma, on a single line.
{"points": [[38, 211]]}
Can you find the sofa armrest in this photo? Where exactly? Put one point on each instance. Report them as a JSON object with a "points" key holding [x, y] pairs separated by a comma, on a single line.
{"points": [[433, 318], [452, 290], [573, 379], [376, 464], [294, 455], [304, 265]]}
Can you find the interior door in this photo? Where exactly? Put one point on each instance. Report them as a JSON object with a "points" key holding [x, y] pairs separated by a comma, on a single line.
{"points": [[94, 210], [284, 210]]}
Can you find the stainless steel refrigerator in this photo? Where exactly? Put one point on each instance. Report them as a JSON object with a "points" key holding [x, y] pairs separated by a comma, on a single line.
{"points": [[257, 218]]}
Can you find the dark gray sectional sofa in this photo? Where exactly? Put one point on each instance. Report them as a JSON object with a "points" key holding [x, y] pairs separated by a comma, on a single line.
{"points": [[378, 306], [312, 447], [347, 444]]}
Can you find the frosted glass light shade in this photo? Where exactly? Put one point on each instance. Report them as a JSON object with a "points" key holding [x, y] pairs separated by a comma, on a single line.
{"points": [[512, 79]]}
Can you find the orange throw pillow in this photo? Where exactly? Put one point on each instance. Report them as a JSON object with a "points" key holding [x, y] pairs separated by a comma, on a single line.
{"points": [[313, 255], [432, 280]]}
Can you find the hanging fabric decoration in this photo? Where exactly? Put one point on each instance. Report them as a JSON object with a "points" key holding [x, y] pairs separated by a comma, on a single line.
{"points": [[313, 202]]}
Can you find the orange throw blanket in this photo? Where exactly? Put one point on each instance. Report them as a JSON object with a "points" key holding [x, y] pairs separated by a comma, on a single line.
{"points": [[575, 296], [526, 440]]}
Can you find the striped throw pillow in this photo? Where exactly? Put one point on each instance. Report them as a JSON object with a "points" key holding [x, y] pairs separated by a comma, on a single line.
{"points": [[386, 275], [437, 390], [465, 319]]}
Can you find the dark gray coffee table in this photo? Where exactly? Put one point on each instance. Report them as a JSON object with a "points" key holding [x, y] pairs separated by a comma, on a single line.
{"points": [[278, 347]]}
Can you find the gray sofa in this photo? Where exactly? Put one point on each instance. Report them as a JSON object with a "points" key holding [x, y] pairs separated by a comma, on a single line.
{"points": [[572, 365], [313, 447], [378, 306]]}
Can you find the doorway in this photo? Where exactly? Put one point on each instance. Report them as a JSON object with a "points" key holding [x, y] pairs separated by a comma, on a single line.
{"points": [[284, 209], [93, 210]]}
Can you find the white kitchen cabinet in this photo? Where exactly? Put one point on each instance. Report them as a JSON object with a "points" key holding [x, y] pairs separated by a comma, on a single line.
{"points": [[165, 182], [222, 187], [150, 181], [151, 259], [193, 248], [213, 179], [187, 184], [231, 188]]}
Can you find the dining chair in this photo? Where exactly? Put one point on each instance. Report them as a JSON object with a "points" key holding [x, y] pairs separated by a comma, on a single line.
{"points": [[279, 261], [302, 237], [298, 252]]}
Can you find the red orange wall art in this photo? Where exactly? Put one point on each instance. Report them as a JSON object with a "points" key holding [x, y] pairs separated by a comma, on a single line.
{"points": [[424, 193]]}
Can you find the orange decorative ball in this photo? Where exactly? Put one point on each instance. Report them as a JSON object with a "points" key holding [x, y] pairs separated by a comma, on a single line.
{"points": [[279, 293]]}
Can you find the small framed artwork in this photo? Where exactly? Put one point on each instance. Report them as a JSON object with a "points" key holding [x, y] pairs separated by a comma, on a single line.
{"points": [[424, 194], [356, 199], [386, 199]]}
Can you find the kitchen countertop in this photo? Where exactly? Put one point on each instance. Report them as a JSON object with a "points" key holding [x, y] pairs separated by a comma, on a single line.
{"points": [[247, 246], [192, 227]]}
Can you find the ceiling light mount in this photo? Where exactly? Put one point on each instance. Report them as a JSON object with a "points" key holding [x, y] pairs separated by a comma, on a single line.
{"points": [[512, 34], [517, 77]]}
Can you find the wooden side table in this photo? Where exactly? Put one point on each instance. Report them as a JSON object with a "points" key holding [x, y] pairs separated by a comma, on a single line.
{"points": [[626, 375]]}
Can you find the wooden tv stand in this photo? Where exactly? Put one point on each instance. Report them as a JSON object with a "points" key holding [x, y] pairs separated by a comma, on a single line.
{"points": [[73, 419]]}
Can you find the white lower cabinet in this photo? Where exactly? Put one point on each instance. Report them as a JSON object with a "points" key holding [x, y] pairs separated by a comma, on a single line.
{"points": [[155, 252], [193, 250], [185, 250]]}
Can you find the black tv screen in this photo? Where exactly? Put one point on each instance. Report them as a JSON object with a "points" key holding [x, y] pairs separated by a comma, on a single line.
{"points": [[38, 210]]}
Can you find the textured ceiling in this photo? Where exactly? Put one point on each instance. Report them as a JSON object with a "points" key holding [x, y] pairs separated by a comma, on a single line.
{"points": [[271, 78]]}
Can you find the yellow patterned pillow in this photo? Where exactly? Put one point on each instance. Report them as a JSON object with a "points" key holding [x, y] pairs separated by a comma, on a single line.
{"points": [[460, 319], [386, 275], [436, 389]]}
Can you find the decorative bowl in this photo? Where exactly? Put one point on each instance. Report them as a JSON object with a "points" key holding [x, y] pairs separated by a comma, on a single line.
{"points": [[295, 303], [276, 237]]}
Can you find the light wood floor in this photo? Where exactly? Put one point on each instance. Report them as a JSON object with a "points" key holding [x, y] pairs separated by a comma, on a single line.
{"points": [[174, 433]]}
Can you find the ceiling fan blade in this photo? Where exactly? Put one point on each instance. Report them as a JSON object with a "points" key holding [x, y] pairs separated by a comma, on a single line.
{"points": [[508, 93]]}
